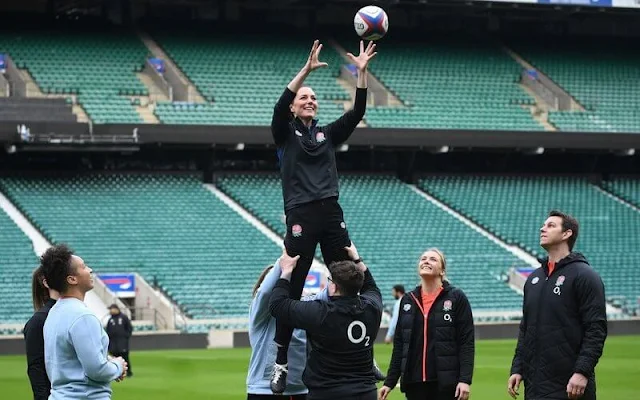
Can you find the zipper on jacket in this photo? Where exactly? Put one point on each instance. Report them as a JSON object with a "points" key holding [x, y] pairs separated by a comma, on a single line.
{"points": [[424, 341], [544, 287], [425, 331]]}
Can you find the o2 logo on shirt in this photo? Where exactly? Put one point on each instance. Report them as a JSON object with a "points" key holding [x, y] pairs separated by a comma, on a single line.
{"points": [[363, 333]]}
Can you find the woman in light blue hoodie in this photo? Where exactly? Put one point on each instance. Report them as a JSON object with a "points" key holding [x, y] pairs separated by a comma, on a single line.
{"points": [[262, 328]]}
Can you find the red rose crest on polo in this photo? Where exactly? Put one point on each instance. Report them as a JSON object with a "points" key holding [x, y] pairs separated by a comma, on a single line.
{"points": [[296, 230]]}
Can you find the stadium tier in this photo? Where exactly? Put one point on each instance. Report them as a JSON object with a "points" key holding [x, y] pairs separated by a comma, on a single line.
{"points": [[170, 229], [17, 262], [451, 85], [244, 76], [26, 109], [601, 77], [392, 225], [97, 66], [514, 208], [625, 188]]}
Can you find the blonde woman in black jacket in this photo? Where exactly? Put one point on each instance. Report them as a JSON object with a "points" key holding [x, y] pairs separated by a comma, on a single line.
{"points": [[434, 345]]}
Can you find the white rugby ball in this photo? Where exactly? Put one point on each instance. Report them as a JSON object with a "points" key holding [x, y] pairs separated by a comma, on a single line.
{"points": [[371, 23]]}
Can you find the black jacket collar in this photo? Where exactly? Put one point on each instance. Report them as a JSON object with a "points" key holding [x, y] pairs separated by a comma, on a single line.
{"points": [[300, 125], [446, 287]]}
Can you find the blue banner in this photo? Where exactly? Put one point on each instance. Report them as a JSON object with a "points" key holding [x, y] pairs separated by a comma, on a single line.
{"points": [[591, 3], [313, 281], [122, 285], [2, 62], [158, 64], [525, 271]]}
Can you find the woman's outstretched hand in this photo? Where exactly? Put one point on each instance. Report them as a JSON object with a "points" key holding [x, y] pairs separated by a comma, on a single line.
{"points": [[364, 57], [313, 62]]}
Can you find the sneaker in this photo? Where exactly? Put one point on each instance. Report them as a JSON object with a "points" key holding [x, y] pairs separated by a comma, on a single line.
{"points": [[279, 378], [380, 376]]}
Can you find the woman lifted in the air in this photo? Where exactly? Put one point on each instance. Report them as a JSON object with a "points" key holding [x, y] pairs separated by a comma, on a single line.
{"points": [[309, 176]]}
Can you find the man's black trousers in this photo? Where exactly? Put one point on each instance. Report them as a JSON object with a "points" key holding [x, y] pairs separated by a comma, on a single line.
{"points": [[125, 356], [428, 391], [372, 395], [319, 222]]}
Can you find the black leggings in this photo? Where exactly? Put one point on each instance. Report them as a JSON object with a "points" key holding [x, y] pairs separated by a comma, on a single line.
{"points": [[307, 225], [373, 395], [276, 397], [429, 391]]}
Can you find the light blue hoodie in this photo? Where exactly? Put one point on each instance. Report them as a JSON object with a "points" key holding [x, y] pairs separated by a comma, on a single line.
{"points": [[262, 330], [75, 350]]}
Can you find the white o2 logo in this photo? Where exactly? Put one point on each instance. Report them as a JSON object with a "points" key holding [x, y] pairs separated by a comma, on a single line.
{"points": [[363, 333]]}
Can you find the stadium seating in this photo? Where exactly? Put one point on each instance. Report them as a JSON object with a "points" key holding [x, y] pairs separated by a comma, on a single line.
{"points": [[449, 84], [625, 188], [392, 225], [17, 262], [98, 66], [603, 77], [514, 208], [244, 76], [168, 228]]}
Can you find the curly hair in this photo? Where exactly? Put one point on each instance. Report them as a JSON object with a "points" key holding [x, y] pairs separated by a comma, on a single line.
{"points": [[55, 264]]}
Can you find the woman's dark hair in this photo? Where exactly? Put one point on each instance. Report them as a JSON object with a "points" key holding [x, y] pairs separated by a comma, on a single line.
{"points": [[55, 264], [39, 292], [263, 274]]}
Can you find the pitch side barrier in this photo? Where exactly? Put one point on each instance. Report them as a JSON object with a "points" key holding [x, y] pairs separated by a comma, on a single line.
{"points": [[233, 339], [231, 136]]}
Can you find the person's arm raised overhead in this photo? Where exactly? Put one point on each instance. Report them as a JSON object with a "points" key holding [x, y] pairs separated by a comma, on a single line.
{"points": [[281, 111], [343, 127]]}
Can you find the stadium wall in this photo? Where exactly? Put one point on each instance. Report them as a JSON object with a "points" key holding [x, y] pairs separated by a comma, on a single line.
{"points": [[221, 339], [64, 133]]}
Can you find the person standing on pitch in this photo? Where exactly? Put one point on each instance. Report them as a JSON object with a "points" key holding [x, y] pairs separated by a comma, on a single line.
{"points": [[43, 299], [397, 292], [564, 320], [261, 329], [306, 153], [340, 332], [119, 330], [434, 346], [75, 345]]}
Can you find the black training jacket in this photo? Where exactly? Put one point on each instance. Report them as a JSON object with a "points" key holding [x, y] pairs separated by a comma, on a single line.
{"points": [[563, 328], [307, 155], [34, 342], [119, 330], [340, 334], [446, 354]]}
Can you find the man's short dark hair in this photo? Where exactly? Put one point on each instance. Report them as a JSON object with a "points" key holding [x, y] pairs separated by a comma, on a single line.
{"points": [[347, 277], [56, 266], [568, 222], [399, 288]]}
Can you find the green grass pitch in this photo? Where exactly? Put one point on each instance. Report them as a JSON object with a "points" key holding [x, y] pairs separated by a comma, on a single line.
{"points": [[220, 374]]}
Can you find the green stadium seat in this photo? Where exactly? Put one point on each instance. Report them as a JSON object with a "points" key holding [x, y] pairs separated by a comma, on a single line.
{"points": [[17, 262], [603, 77], [392, 225], [170, 229], [98, 66], [243, 75], [451, 84], [515, 208], [625, 188]]}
